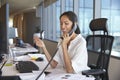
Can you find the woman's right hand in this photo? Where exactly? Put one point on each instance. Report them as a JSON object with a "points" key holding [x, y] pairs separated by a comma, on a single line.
{"points": [[38, 42]]}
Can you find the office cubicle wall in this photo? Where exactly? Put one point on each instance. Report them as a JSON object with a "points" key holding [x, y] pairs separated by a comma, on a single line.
{"points": [[51, 46]]}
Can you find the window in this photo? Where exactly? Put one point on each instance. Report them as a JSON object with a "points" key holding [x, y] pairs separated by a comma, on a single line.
{"points": [[57, 22], [69, 5], [85, 15], [50, 21], [84, 9], [110, 9]]}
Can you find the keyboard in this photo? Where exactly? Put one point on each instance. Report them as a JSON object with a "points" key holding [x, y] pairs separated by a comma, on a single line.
{"points": [[10, 78], [26, 66]]}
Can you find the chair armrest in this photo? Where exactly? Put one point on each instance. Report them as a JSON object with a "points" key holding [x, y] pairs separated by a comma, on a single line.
{"points": [[92, 66], [94, 72]]}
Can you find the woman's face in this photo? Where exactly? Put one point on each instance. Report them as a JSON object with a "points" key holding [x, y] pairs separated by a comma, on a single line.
{"points": [[65, 24]]}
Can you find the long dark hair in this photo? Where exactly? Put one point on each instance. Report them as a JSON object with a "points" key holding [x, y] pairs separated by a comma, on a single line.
{"points": [[73, 18]]}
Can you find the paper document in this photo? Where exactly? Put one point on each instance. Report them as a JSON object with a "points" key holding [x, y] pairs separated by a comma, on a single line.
{"points": [[31, 76], [66, 76], [22, 58]]}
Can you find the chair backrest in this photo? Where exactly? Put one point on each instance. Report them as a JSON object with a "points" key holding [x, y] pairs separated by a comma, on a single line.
{"points": [[99, 24], [100, 43]]}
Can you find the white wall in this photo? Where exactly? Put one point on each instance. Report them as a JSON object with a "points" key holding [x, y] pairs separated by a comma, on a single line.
{"points": [[114, 69]]}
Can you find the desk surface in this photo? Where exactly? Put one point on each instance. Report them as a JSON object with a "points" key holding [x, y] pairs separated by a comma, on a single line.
{"points": [[56, 74], [21, 51]]}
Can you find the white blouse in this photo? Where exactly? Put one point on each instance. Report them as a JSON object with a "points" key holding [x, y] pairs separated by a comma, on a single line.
{"points": [[78, 54]]}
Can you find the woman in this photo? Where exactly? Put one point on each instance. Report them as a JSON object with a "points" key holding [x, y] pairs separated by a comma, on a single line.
{"points": [[72, 52]]}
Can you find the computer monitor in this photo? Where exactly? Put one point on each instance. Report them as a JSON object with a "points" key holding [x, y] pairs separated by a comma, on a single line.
{"points": [[4, 23]]}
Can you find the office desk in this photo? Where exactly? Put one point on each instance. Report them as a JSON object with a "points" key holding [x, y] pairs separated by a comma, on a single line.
{"points": [[58, 73], [17, 51]]}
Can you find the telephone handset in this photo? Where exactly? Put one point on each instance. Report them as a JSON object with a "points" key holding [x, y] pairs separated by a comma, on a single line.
{"points": [[73, 29]]}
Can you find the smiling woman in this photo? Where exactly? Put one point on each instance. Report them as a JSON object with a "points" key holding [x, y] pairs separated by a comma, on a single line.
{"points": [[71, 53]]}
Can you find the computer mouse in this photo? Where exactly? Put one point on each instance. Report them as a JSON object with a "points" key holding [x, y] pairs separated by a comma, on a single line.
{"points": [[39, 59]]}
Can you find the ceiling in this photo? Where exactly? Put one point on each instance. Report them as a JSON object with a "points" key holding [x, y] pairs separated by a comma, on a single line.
{"points": [[17, 6]]}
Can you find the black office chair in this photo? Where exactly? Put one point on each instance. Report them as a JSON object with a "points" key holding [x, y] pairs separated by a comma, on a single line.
{"points": [[101, 44]]}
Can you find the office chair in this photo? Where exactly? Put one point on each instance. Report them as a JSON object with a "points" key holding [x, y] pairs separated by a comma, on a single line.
{"points": [[101, 44]]}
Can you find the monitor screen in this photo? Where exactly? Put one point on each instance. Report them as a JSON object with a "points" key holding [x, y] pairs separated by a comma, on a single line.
{"points": [[4, 23]]}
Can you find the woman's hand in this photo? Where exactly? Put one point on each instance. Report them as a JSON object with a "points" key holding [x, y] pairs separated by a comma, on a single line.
{"points": [[38, 42], [66, 39]]}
